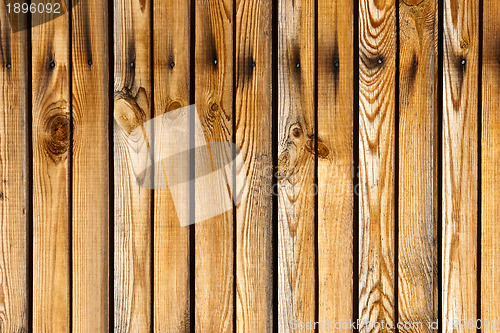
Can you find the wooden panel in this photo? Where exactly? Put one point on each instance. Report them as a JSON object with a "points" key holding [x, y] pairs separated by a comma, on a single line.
{"points": [[172, 297], [90, 152], [460, 102], [14, 178], [296, 163], [51, 134], [253, 136], [214, 101], [132, 204], [418, 183], [335, 159], [377, 69], [490, 179]]}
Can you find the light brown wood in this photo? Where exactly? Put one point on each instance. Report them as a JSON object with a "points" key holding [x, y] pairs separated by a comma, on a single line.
{"points": [[90, 152], [418, 183], [214, 292], [335, 160], [14, 178], [460, 177], [490, 179], [51, 141], [254, 216], [377, 75], [172, 296], [132, 108], [296, 163]]}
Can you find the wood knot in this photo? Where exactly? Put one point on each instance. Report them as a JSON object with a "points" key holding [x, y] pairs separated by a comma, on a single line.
{"points": [[296, 132], [283, 165], [130, 111], [214, 107], [173, 106], [57, 129]]}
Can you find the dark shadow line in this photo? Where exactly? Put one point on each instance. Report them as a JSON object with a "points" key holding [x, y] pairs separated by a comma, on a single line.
{"points": [[152, 191], [233, 140], [70, 166], [396, 172], [315, 173], [111, 166], [440, 163], [192, 230]]}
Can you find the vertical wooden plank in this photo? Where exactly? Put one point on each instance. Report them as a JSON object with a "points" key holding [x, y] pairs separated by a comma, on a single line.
{"points": [[51, 132], [460, 102], [335, 159], [418, 111], [254, 214], [13, 178], [296, 163], [377, 69], [132, 107], [172, 298], [214, 101], [490, 179], [90, 166]]}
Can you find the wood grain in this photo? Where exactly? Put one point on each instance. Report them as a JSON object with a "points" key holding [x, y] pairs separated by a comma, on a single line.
{"points": [[418, 183], [172, 297], [51, 140], [490, 179], [460, 143], [90, 193], [335, 160], [254, 216], [296, 163], [214, 101], [132, 107], [14, 178], [377, 69]]}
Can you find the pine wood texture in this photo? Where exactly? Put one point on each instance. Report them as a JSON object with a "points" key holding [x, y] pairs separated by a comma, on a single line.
{"points": [[254, 216], [90, 193], [418, 183], [132, 107], [214, 256], [490, 172], [14, 178], [296, 163], [460, 177], [377, 74], [335, 160], [172, 257], [51, 201]]}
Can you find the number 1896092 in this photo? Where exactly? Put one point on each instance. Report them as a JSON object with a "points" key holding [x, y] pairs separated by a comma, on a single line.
{"points": [[33, 8]]}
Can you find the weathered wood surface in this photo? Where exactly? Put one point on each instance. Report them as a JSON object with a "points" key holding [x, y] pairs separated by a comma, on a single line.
{"points": [[377, 74], [132, 222], [490, 162], [335, 160], [460, 167], [254, 216], [214, 256], [51, 201], [14, 177], [418, 183], [296, 163], [172, 257], [90, 194]]}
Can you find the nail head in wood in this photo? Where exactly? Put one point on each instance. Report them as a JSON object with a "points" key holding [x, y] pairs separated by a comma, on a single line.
{"points": [[172, 64], [52, 64], [9, 65]]}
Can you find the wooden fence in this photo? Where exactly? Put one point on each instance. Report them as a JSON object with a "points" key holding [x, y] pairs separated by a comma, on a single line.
{"points": [[381, 120]]}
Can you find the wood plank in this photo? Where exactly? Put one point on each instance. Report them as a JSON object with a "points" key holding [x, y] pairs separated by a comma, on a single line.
{"points": [[296, 163], [214, 100], [51, 134], [90, 167], [132, 107], [172, 298], [490, 179], [418, 183], [14, 210], [377, 69], [254, 214], [460, 143], [335, 160]]}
